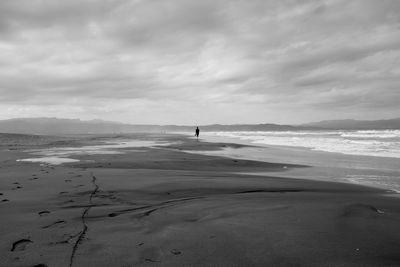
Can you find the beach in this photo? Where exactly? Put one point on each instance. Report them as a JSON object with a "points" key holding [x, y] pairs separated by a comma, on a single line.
{"points": [[158, 200]]}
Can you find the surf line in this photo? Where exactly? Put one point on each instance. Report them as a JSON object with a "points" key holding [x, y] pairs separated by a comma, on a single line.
{"points": [[83, 220]]}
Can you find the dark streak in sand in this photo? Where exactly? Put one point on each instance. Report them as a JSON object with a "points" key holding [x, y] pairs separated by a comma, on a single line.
{"points": [[151, 260], [152, 207], [147, 213], [270, 191], [84, 206], [83, 219], [54, 223]]}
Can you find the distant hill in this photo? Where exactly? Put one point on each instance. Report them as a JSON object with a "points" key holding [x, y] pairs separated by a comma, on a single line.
{"points": [[60, 126], [357, 124], [241, 127], [75, 126], [55, 126]]}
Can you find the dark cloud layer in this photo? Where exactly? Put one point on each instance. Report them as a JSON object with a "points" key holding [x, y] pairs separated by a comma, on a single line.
{"points": [[187, 62]]}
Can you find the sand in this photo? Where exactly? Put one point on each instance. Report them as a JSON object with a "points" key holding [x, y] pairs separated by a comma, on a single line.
{"points": [[161, 206]]}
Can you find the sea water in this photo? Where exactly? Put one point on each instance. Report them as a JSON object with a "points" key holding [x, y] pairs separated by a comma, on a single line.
{"points": [[378, 143], [368, 157]]}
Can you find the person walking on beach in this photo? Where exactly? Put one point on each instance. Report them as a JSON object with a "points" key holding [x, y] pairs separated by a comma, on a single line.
{"points": [[197, 132]]}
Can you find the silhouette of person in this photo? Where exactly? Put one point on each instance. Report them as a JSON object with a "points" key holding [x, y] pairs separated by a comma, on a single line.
{"points": [[197, 132]]}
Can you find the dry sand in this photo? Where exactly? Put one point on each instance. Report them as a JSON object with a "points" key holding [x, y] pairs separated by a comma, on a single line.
{"points": [[164, 207]]}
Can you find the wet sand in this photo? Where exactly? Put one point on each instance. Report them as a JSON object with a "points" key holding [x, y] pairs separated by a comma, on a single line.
{"points": [[161, 206]]}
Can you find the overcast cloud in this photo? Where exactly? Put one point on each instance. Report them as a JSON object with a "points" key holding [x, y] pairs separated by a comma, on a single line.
{"points": [[200, 62]]}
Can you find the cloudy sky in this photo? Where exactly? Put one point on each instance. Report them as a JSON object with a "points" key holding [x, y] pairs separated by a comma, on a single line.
{"points": [[200, 62]]}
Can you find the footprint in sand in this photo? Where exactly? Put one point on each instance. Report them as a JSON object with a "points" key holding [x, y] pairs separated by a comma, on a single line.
{"points": [[43, 212], [361, 210], [175, 252], [20, 244], [17, 187]]}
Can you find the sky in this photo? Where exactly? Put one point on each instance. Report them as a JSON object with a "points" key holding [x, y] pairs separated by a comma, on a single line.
{"points": [[191, 62]]}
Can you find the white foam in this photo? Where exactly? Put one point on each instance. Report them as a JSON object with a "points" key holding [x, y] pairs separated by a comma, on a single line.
{"points": [[50, 160], [378, 143], [373, 134], [380, 181]]}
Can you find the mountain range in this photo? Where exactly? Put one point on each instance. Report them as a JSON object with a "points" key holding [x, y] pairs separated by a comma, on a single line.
{"points": [[76, 126], [390, 124]]}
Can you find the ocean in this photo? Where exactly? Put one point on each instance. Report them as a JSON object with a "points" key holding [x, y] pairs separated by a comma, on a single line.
{"points": [[377, 143], [368, 157]]}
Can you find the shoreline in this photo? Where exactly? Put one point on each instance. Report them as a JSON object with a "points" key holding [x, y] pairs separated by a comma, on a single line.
{"points": [[378, 172], [165, 207]]}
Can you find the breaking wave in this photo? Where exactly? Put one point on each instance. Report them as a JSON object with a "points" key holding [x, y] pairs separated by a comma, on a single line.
{"points": [[378, 143]]}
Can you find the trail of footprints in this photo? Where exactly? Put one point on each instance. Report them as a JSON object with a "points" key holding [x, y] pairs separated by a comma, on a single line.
{"points": [[75, 239], [23, 243]]}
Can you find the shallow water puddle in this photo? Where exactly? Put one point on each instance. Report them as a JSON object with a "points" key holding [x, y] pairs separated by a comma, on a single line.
{"points": [[59, 155], [50, 160]]}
